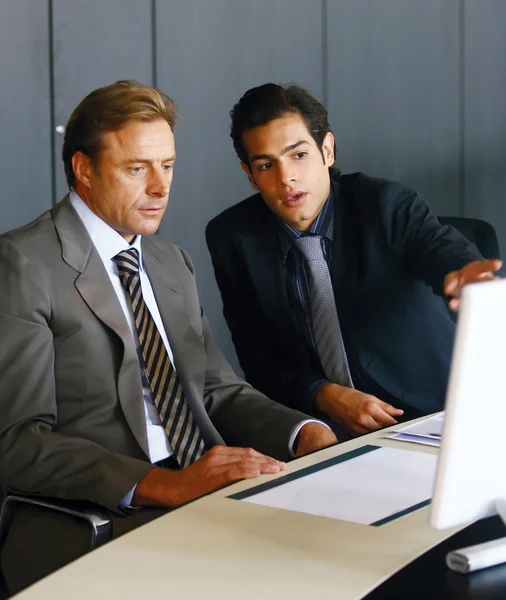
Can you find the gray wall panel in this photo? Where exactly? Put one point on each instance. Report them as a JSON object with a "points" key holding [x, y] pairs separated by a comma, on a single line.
{"points": [[393, 92], [95, 43], [485, 113], [25, 142], [415, 90], [209, 54]]}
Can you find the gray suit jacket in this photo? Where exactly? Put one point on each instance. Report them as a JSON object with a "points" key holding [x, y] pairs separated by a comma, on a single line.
{"points": [[72, 419]]}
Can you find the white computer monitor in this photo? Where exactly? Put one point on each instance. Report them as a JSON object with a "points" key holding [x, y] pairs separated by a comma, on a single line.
{"points": [[471, 475]]}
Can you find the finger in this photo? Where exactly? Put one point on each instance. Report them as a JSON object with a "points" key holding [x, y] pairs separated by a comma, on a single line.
{"points": [[366, 423], [272, 467], [478, 269], [491, 264], [242, 470], [253, 467], [258, 461], [454, 304], [450, 282], [391, 410], [233, 453], [225, 474], [472, 278], [382, 417], [474, 271], [488, 276]]}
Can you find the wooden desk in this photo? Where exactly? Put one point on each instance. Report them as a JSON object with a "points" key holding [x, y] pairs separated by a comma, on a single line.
{"points": [[226, 549]]}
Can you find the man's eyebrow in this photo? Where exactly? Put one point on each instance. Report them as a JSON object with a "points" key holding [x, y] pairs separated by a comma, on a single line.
{"points": [[284, 151], [147, 160]]}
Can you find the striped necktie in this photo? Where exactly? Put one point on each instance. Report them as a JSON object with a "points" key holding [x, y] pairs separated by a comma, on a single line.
{"points": [[326, 328], [168, 396]]}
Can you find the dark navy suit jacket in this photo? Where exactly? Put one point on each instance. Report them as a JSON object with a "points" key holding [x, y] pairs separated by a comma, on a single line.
{"points": [[390, 256]]}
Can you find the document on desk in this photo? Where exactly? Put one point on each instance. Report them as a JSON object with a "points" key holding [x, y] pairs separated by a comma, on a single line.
{"points": [[427, 432], [370, 485]]}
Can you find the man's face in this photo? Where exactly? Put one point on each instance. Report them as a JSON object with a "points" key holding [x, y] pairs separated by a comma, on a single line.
{"points": [[129, 188], [287, 168]]}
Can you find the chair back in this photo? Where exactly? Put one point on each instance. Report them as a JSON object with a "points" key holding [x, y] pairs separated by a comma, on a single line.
{"points": [[477, 231]]}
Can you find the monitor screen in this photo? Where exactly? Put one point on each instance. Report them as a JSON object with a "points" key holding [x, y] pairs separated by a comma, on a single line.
{"points": [[471, 475]]}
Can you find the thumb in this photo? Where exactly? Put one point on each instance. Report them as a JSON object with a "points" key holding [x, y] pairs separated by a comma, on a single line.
{"points": [[451, 281]]}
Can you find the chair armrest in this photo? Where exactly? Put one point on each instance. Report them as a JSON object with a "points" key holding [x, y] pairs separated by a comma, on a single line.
{"points": [[94, 515]]}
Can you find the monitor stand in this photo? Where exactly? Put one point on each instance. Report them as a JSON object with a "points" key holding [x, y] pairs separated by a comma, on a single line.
{"points": [[483, 555]]}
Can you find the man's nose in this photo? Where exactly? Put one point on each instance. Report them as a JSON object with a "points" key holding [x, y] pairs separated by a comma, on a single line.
{"points": [[159, 183], [287, 173]]}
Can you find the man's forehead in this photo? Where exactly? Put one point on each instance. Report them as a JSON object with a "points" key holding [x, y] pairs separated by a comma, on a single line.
{"points": [[139, 135], [278, 135]]}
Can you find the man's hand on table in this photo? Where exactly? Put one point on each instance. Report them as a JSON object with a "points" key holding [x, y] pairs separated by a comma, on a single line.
{"points": [[357, 412], [218, 467]]}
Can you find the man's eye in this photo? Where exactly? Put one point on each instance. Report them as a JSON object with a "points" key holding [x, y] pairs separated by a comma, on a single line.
{"points": [[301, 154], [137, 170], [265, 166], [167, 168]]}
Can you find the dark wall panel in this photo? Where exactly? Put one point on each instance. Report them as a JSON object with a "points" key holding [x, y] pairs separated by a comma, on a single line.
{"points": [[95, 43], [208, 55], [25, 142], [393, 92], [485, 113]]}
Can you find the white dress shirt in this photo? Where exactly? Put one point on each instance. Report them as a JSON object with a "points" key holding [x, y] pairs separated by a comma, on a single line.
{"points": [[108, 243]]}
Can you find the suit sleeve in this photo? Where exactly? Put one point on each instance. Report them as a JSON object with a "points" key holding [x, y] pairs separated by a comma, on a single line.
{"points": [[429, 249], [264, 357], [34, 457], [241, 414]]}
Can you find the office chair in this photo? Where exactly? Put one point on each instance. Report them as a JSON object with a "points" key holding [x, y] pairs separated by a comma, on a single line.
{"points": [[479, 232], [95, 516]]}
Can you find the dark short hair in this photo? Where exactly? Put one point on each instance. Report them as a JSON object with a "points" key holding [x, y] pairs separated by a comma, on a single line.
{"points": [[269, 101], [107, 109]]}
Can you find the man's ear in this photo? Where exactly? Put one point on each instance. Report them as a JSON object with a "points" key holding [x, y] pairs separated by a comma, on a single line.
{"points": [[82, 167], [247, 170], [328, 149]]}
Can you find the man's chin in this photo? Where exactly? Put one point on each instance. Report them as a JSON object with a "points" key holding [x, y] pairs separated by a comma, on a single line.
{"points": [[141, 229], [299, 220], [149, 229]]}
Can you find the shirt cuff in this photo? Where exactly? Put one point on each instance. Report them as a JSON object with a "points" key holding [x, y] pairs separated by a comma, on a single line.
{"points": [[295, 433], [126, 502]]}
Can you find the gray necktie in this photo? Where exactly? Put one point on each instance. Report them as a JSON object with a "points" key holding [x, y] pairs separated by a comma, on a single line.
{"points": [[168, 396], [326, 329]]}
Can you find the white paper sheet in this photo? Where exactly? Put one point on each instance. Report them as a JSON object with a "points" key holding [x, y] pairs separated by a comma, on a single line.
{"points": [[426, 432], [364, 489]]}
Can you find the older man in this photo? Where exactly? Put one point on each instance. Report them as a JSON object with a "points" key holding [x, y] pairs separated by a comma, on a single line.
{"points": [[112, 389]]}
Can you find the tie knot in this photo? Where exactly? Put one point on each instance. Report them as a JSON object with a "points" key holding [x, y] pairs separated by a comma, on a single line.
{"points": [[127, 261], [310, 247]]}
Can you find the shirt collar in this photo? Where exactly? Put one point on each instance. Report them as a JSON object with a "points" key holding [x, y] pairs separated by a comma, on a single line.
{"points": [[323, 225], [107, 241]]}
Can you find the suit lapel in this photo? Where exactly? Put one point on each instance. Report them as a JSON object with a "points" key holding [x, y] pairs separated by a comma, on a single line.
{"points": [[161, 266], [95, 288], [345, 246], [262, 255]]}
